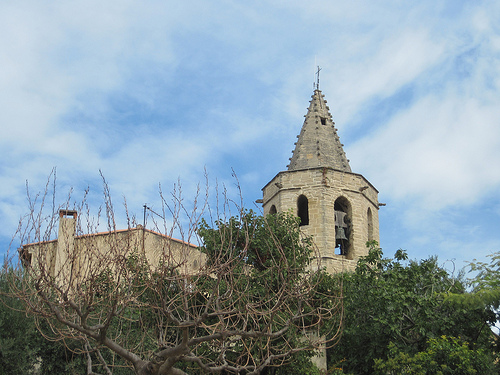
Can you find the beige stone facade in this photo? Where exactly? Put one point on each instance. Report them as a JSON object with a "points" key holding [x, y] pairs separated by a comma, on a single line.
{"points": [[72, 257]]}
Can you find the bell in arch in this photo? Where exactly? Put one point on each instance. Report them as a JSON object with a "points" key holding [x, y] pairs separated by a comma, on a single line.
{"points": [[340, 234]]}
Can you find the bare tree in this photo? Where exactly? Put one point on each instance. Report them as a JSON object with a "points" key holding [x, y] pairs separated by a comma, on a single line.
{"points": [[248, 298]]}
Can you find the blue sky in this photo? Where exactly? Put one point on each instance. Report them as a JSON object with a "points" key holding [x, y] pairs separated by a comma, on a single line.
{"points": [[156, 92]]}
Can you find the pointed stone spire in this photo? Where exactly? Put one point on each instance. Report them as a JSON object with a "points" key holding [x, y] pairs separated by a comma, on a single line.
{"points": [[318, 143]]}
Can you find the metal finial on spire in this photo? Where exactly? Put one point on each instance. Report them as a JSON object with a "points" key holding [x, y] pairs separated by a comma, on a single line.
{"points": [[317, 78]]}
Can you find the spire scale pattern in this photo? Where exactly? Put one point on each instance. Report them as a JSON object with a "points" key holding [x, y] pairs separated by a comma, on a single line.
{"points": [[318, 143]]}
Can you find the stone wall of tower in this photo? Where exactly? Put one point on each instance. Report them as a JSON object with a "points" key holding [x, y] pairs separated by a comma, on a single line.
{"points": [[322, 187]]}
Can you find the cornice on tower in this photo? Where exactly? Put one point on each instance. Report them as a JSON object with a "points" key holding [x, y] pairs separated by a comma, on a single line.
{"points": [[318, 144]]}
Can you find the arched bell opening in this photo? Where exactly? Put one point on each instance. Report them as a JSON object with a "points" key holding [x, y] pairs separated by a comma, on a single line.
{"points": [[343, 226], [303, 210]]}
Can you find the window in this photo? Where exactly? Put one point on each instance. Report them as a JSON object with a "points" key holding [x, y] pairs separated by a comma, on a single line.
{"points": [[25, 256], [273, 210], [303, 210], [323, 120], [370, 224]]}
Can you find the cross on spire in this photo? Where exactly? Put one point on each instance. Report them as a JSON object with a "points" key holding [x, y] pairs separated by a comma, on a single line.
{"points": [[317, 78]]}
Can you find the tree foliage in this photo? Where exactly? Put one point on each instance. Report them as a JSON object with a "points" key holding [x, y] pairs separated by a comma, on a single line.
{"points": [[273, 268], [485, 284], [404, 303], [444, 355], [23, 348], [487, 274], [17, 334]]}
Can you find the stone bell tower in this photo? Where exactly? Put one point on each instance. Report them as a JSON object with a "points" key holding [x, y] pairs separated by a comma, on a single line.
{"points": [[337, 207]]}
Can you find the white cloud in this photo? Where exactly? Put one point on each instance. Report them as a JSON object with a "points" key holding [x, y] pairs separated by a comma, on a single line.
{"points": [[442, 151]]}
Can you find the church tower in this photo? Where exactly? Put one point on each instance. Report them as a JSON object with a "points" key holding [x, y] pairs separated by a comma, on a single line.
{"points": [[337, 207]]}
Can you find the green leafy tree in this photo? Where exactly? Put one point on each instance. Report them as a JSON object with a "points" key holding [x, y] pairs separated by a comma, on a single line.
{"points": [[23, 347], [485, 284], [444, 355], [487, 277], [18, 352], [253, 240], [404, 303]]}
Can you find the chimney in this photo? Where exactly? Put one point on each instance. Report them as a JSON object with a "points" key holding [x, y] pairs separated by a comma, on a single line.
{"points": [[66, 238], [67, 224]]}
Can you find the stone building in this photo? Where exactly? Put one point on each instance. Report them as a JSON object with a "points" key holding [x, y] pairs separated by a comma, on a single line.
{"points": [[74, 257], [337, 207]]}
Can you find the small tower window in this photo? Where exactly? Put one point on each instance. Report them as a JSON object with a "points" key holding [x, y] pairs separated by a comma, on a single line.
{"points": [[303, 210], [370, 224], [323, 120], [273, 210]]}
